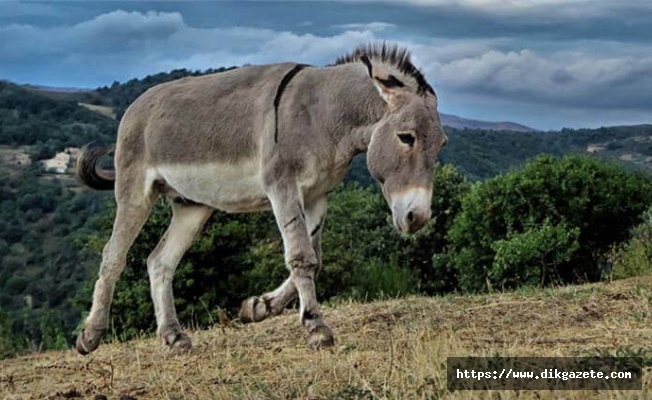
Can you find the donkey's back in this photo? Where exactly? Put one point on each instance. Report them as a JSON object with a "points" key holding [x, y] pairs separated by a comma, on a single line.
{"points": [[200, 119]]}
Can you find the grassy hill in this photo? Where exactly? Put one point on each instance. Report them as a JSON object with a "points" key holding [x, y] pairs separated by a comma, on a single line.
{"points": [[387, 349]]}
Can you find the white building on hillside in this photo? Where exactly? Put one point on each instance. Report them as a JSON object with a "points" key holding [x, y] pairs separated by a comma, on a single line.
{"points": [[58, 164]]}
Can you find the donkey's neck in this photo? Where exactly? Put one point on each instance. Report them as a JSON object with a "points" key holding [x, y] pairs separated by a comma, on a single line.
{"points": [[355, 106]]}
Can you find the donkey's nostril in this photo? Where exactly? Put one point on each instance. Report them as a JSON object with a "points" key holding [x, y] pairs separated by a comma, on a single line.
{"points": [[410, 217]]}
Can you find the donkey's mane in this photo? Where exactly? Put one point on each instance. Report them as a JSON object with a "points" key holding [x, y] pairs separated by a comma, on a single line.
{"points": [[391, 55]]}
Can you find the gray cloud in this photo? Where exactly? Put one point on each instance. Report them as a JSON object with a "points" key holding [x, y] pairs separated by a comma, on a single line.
{"points": [[504, 56], [579, 80], [121, 45], [367, 26], [536, 19]]}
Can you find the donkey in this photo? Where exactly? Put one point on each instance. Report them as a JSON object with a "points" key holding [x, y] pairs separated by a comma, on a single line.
{"points": [[277, 137]]}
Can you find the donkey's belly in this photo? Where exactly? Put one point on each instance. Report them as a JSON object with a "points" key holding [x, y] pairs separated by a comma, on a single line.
{"points": [[227, 187]]}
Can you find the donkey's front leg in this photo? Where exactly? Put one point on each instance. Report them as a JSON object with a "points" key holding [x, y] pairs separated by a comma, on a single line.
{"points": [[301, 260], [256, 309]]}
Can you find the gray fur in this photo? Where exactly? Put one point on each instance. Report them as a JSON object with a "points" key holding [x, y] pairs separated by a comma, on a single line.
{"points": [[211, 142]]}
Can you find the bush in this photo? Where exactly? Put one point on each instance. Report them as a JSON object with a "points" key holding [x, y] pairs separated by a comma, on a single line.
{"points": [[634, 257], [9, 341], [527, 258], [553, 221], [378, 279]]}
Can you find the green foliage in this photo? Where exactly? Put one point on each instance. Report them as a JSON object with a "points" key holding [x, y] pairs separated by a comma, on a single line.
{"points": [[30, 118], [53, 332], [377, 278], [481, 154], [42, 261], [352, 210], [525, 258], [10, 341], [553, 221], [634, 257], [416, 251]]}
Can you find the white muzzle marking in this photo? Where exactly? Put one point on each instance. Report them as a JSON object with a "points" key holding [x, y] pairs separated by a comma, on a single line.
{"points": [[411, 208]]}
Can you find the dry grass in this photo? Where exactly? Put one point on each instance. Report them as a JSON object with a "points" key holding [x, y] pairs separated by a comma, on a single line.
{"points": [[104, 110], [390, 349]]}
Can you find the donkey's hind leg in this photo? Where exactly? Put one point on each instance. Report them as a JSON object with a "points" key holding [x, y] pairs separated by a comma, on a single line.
{"points": [[187, 221], [131, 214]]}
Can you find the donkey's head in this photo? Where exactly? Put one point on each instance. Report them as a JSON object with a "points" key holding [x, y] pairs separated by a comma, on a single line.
{"points": [[405, 143]]}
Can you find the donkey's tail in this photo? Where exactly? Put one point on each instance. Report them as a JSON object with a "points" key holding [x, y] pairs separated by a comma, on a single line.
{"points": [[87, 171]]}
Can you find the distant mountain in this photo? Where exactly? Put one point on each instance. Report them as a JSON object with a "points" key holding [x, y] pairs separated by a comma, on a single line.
{"points": [[456, 122], [56, 89]]}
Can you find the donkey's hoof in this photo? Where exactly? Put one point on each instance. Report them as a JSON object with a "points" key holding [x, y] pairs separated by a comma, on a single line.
{"points": [[88, 340], [253, 309], [179, 343], [321, 337]]}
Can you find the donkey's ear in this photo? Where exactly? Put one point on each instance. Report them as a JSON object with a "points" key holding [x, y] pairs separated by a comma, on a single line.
{"points": [[389, 86]]}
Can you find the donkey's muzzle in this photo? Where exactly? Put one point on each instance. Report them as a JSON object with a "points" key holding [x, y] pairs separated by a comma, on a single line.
{"points": [[411, 209], [411, 222]]}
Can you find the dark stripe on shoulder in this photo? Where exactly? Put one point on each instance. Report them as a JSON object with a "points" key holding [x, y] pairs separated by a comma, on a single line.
{"points": [[279, 93]]}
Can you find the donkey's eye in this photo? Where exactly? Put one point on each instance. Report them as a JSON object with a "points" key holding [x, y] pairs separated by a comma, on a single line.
{"points": [[407, 138]]}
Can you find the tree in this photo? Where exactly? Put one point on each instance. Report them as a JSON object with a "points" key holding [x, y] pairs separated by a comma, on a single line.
{"points": [[553, 221]]}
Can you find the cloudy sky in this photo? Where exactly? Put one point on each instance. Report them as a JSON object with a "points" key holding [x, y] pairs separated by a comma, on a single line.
{"points": [[544, 63]]}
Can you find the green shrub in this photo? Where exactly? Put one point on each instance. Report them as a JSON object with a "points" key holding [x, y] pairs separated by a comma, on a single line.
{"points": [[53, 336], [552, 221], [634, 257], [378, 279], [10, 342], [528, 258]]}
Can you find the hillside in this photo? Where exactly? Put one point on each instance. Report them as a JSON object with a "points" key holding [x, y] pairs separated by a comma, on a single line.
{"points": [[456, 122], [481, 154], [387, 349]]}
